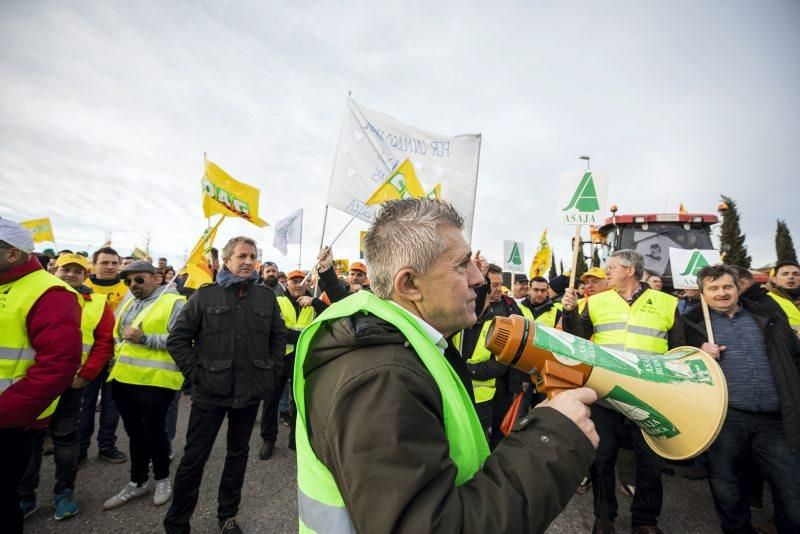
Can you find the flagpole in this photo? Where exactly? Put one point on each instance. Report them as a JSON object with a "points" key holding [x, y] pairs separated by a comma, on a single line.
{"points": [[475, 189], [576, 246]]}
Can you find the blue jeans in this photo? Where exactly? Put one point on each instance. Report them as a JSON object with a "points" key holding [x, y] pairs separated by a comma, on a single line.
{"points": [[109, 416], [753, 437]]}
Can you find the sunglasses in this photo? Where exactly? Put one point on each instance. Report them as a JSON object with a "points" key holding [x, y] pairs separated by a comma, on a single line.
{"points": [[137, 279]]}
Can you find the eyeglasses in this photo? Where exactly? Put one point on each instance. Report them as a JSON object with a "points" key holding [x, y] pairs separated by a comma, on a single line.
{"points": [[137, 279]]}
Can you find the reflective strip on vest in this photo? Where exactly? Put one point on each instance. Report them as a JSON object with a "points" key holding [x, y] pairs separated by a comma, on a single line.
{"points": [[17, 354], [153, 364], [608, 327], [320, 517]]}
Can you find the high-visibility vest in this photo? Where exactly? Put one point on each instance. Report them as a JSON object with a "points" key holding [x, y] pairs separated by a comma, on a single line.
{"points": [[292, 320], [114, 293], [92, 313], [16, 300], [582, 304], [547, 318], [138, 364], [789, 308], [484, 389], [641, 328], [320, 503]]}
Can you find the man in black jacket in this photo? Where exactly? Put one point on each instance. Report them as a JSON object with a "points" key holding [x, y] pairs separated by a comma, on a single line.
{"points": [[760, 357], [229, 342]]}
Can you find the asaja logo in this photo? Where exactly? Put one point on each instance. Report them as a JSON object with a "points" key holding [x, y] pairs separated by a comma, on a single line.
{"points": [[514, 258], [584, 199], [696, 262]]}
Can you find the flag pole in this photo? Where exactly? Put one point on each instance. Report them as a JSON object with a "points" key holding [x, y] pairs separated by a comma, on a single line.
{"points": [[576, 246], [707, 318]]}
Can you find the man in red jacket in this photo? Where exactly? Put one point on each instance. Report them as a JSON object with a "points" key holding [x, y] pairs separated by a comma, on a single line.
{"points": [[97, 326], [40, 351]]}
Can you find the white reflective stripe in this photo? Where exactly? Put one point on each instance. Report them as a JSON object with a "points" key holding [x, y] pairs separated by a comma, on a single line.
{"points": [[87, 348], [321, 517], [644, 331], [617, 346], [7, 353], [609, 326], [642, 352], [141, 362], [5, 383]]}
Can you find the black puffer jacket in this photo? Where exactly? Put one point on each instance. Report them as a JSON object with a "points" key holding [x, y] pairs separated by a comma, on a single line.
{"points": [[229, 343]]}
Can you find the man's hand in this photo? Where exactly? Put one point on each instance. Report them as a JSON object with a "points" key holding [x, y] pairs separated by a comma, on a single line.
{"points": [[325, 258], [132, 334], [304, 301], [569, 300], [481, 263], [79, 382], [713, 350], [574, 403]]}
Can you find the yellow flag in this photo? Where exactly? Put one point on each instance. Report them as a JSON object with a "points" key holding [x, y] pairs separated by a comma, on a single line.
{"points": [[436, 192], [402, 183], [361, 236], [541, 260], [341, 266], [138, 253], [197, 266], [227, 196], [41, 229]]}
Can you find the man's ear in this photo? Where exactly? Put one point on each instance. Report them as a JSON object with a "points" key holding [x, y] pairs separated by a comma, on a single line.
{"points": [[406, 285]]}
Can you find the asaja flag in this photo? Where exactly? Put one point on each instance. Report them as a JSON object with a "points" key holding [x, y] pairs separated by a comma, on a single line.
{"points": [[372, 144], [542, 259], [197, 265], [513, 256], [224, 195], [402, 183], [41, 229], [138, 253], [686, 263], [582, 198], [288, 231]]}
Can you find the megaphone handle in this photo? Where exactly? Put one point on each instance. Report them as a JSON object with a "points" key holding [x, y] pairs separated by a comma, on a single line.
{"points": [[556, 377]]}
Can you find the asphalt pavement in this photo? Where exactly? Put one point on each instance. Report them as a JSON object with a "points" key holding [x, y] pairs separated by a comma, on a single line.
{"points": [[269, 496]]}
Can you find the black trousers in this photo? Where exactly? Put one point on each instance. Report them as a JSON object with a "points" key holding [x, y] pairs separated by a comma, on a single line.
{"points": [[15, 452], [204, 424], [144, 411], [269, 411], [613, 431]]}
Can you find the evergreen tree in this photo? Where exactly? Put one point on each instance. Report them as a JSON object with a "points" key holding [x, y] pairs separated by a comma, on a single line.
{"points": [[595, 258], [581, 267], [553, 272], [784, 247], [732, 239], [561, 266]]}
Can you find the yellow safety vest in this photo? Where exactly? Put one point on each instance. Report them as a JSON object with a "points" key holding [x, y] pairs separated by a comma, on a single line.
{"points": [[484, 389], [16, 300], [641, 328], [292, 321], [138, 364], [114, 293], [92, 313], [789, 308], [548, 318], [582, 304]]}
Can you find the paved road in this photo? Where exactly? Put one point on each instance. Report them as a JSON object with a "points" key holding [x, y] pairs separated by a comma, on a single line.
{"points": [[269, 497]]}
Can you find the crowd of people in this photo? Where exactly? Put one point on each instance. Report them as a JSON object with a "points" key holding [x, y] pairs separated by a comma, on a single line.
{"points": [[77, 330]]}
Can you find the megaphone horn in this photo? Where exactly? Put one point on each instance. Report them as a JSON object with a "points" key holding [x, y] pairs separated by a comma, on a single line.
{"points": [[678, 400]]}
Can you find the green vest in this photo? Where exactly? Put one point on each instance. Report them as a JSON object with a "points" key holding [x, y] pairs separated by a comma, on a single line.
{"points": [[320, 503], [16, 300], [290, 318], [484, 389], [641, 328], [90, 318], [138, 364], [790, 309]]}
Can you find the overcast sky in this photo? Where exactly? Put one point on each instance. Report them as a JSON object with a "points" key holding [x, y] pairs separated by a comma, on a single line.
{"points": [[107, 107]]}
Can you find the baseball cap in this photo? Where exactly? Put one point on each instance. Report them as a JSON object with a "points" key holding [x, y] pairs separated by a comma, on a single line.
{"points": [[138, 266], [520, 278], [358, 266], [597, 272], [297, 273], [66, 259], [16, 235]]}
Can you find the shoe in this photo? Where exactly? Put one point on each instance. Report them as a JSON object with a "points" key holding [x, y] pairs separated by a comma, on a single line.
{"points": [[129, 491], [163, 492], [285, 418], [229, 526], [696, 473], [598, 527], [629, 489], [65, 505], [584, 486], [266, 450], [28, 506], [112, 455], [646, 529]]}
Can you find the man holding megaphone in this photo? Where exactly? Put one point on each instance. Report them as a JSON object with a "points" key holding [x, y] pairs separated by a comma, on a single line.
{"points": [[634, 318]]}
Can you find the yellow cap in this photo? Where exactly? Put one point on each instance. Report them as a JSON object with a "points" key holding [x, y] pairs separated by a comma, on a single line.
{"points": [[597, 272], [65, 259]]}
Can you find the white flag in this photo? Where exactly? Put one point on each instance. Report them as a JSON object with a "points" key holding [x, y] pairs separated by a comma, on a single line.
{"points": [[686, 263], [288, 231], [372, 144], [513, 256]]}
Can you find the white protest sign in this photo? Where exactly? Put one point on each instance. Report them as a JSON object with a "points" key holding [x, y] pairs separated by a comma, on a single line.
{"points": [[372, 144], [686, 263], [513, 256], [582, 197]]}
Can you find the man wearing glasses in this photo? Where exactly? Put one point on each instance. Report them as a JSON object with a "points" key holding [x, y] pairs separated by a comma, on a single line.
{"points": [[144, 379]]}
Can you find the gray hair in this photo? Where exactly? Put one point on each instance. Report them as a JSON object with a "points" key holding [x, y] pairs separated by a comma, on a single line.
{"points": [[405, 236], [227, 250], [631, 258]]}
